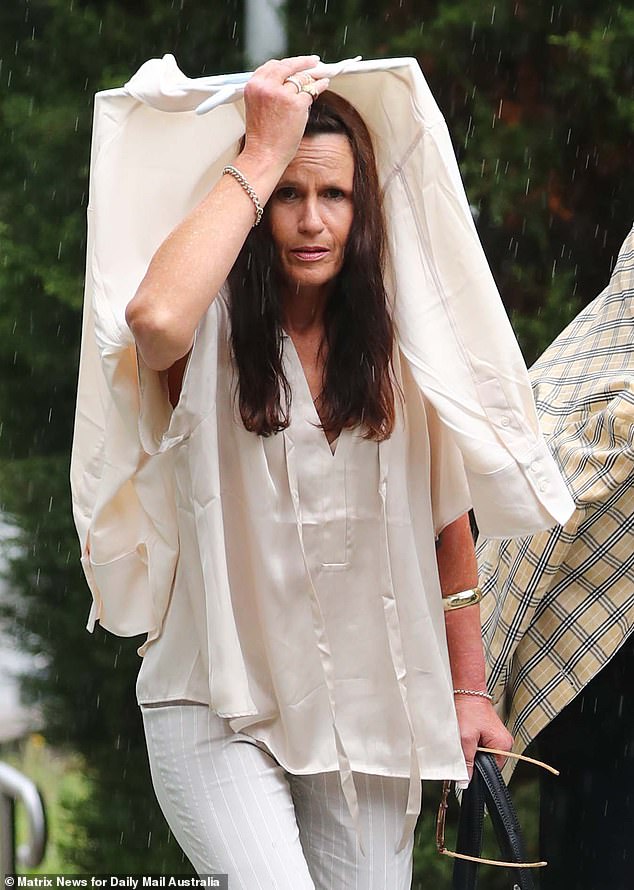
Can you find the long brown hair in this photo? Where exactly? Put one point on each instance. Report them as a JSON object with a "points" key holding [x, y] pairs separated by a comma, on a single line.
{"points": [[357, 386]]}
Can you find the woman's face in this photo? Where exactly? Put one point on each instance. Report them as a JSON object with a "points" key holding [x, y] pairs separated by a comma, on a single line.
{"points": [[311, 213]]}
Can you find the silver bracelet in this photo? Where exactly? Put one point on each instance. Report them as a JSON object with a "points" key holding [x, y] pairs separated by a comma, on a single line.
{"points": [[244, 182], [473, 692], [461, 599]]}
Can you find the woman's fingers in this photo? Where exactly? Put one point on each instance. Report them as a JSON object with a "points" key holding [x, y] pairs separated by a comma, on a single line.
{"points": [[496, 735], [293, 64], [480, 726], [279, 69], [309, 87], [319, 86]]}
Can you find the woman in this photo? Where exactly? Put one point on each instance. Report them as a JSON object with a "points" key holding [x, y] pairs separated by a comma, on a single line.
{"points": [[292, 370]]}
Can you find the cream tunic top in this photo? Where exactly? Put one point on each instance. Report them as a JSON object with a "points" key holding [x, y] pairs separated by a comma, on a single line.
{"points": [[346, 667], [452, 333], [156, 490]]}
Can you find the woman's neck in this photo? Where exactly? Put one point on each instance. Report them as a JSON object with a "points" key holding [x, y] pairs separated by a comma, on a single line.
{"points": [[304, 311]]}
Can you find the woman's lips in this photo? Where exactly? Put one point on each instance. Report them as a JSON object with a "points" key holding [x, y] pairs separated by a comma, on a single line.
{"points": [[309, 254]]}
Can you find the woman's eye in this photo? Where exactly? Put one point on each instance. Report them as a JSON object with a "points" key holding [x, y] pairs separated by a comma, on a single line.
{"points": [[334, 193], [286, 194]]}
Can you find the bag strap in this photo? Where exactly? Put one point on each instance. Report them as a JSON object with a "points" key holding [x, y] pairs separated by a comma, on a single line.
{"points": [[470, 828], [488, 787]]}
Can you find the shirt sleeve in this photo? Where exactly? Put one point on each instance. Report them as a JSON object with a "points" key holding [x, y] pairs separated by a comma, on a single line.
{"points": [[454, 333], [123, 501], [122, 465], [161, 426], [450, 494]]}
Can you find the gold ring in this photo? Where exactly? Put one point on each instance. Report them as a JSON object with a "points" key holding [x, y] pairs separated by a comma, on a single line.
{"points": [[311, 89]]}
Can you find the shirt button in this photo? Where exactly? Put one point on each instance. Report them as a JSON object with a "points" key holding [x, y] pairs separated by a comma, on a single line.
{"points": [[543, 486], [505, 420], [535, 466]]}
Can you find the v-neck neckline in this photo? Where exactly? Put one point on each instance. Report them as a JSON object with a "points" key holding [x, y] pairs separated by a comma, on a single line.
{"points": [[309, 411]]}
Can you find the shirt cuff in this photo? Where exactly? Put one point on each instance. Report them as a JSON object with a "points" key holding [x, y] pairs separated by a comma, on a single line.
{"points": [[522, 498]]}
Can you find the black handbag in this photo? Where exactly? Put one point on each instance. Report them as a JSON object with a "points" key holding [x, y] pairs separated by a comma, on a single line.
{"points": [[487, 788]]}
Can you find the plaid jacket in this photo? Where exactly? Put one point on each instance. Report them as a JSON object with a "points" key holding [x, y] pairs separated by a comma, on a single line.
{"points": [[561, 603]]}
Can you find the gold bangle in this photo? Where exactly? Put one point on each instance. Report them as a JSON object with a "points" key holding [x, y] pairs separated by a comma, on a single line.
{"points": [[461, 599]]}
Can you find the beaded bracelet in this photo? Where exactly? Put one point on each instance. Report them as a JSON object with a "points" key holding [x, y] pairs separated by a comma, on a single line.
{"points": [[244, 182], [473, 692]]}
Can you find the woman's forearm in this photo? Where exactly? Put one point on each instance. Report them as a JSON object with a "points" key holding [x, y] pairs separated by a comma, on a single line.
{"points": [[477, 720], [190, 266], [458, 570]]}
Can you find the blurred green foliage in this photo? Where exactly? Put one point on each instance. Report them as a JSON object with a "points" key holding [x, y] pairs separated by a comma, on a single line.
{"points": [[539, 101]]}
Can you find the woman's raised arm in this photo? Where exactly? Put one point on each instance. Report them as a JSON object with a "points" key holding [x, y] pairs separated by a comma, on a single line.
{"points": [[190, 266]]}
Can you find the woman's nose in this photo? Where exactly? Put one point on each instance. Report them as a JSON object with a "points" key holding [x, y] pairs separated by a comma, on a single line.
{"points": [[310, 219]]}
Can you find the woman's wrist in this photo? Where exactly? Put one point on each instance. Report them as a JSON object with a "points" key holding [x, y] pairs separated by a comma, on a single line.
{"points": [[472, 693], [261, 169]]}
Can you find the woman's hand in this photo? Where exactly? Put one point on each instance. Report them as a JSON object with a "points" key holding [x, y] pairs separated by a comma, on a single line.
{"points": [[480, 726], [192, 263], [276, 112]]}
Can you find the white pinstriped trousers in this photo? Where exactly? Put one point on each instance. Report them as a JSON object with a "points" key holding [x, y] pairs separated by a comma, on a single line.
{"points": [[234, 810]]}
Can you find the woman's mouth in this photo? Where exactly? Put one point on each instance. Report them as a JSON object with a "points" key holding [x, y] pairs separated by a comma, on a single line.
{"points": [[308, 254]]}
